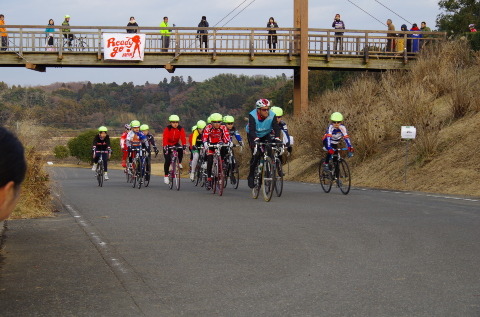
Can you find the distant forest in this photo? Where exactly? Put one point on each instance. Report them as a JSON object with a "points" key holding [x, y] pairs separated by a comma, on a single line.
{"points": [[83, 105]]}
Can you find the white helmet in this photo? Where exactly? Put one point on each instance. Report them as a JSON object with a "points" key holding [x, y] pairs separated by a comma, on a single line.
{"points": [[262, 103]]}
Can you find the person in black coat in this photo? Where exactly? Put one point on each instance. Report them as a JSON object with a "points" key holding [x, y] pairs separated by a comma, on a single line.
{"points": [[202, 34], [132, 22], [272, 37]]}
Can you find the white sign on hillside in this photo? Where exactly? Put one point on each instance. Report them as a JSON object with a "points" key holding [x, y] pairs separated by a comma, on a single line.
{"points": [[408, 132], [123, 47]]}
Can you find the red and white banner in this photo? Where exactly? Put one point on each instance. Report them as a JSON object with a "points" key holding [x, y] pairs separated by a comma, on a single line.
{"points": [[124, 47]]}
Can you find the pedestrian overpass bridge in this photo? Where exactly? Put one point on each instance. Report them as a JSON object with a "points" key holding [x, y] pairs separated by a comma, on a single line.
{"points": [[227, 48]]}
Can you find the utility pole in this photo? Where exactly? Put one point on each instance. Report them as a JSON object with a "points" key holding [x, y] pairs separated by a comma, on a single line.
{"points": [[300, 74]]}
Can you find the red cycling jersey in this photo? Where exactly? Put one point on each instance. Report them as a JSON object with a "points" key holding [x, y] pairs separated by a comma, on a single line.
{"points": [[212, 135], [171, 136]]}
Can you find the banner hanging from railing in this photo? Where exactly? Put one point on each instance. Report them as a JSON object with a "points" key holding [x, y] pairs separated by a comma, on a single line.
{"points": [[123, 47]]}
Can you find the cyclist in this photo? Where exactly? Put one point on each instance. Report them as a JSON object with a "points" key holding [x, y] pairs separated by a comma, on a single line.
{"points": [[135, 140], [123, 145], [151, 144], [472, 28], [336, 131], [190, 147], [66, 32], [172, 135], [101, 147], [283, 127], [214, 133], [195, 144], [229, 123], [261, 121]]}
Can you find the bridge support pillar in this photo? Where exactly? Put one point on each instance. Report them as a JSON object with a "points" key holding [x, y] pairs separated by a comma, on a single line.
{"points": [[300, 74]]}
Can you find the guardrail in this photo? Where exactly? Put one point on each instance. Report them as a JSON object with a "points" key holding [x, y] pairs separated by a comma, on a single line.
{"points": [[88, 39]]}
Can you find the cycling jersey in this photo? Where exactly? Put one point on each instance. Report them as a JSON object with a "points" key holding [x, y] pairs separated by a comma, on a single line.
{"points": [[234, 133], [284, 129], [136, 139], [335, 135], [151, 141], [101, 144], [259, 127], [195, 139], [214, 136], [172, 136], [123, 140]]}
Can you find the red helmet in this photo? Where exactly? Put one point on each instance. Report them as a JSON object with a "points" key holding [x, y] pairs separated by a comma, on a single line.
{"points": [[262, 103]]}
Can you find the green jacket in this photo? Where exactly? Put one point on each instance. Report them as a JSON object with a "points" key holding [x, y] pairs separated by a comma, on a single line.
{"points": [[426, 29], [65, 23], [165, 32]]}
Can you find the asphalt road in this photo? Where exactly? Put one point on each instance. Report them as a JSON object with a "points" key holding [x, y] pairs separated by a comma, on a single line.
{"points": [[159, 252]]}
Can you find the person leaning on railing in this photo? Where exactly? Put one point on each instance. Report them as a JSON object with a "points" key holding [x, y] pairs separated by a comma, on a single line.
{"points": [[165, 34], [272, 34], [49, 35], [3, 33], [12, 171]]}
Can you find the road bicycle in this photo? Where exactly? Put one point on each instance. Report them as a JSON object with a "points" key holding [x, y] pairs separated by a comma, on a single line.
{"points": [[78, 43], [278, 151], [200, 172], [231, 168], [218, 175], [264, 172], [148, 167], [139, 167], [100, 170], [338, 173], [174, 172]]}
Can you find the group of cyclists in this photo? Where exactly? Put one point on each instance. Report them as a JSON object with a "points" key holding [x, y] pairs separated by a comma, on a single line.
{"points": [[265, 124]]}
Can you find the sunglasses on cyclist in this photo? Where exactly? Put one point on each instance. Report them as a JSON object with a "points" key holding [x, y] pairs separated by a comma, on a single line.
{"points": [[229, 123], [173, 121], [264, 109], [216, 121], [334, 122]]}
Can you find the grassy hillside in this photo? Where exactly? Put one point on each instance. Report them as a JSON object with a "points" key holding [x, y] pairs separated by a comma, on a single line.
{"points": [[439, 97]]}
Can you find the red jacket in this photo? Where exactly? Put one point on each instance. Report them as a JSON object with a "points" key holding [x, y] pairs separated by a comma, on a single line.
{"points": [[171, 136]]}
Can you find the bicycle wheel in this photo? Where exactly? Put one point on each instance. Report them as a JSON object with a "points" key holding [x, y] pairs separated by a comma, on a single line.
{"points": [[197, 174], [325, 177], [134, 173], [221, 177], [147, 177], [236, 174], [176, 175], [268, 176], [278, 177], [343, 177], [171, 174], [140, 173], [214, 176], [100, 173], [127, 172], [226, 171], [257, 182]]}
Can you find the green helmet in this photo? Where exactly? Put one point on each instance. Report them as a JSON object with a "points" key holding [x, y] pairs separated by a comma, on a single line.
{"points": [[216, 117], [194, 128], [209, 119], [228, 119], [278, 111], [67, 16], [135, 124], [144, 127], [201, 124], [336, 116], [102, 129], [174, 118]]}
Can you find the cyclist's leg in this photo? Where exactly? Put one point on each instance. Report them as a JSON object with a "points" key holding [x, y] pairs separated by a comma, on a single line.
{"points": [[180, 154], [168, 159], [105, 161], [209, 165]]}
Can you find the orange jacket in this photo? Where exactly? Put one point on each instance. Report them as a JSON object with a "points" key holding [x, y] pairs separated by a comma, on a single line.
{"points": [[3, 31]]}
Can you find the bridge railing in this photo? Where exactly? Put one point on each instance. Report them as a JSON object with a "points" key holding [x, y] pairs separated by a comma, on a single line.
{"points": [[251, 41]]}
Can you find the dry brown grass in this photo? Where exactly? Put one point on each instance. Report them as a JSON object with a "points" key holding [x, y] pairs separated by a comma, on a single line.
{"points": [[35, 200], [438, 97]]}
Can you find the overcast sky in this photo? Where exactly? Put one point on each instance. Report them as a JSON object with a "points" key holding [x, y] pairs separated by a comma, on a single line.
{"points": [[188, 13]]}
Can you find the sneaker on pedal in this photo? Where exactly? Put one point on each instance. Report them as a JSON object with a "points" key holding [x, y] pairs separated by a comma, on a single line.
{"points": [[180, 165], [192, 176], [106, 176], [94, 167], [124, 163], [166, 180]]}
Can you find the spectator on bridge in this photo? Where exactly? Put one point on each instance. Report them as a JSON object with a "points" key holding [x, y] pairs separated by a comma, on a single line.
{"points": [[12, 171], [49, 35], [338, 25], [202, 34], [165, 34], [272, 34], [401, 39], [66, 32], [390, 40], [132, 22], [3, 33], [415, 42], [472, 28], [425, 28]]}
